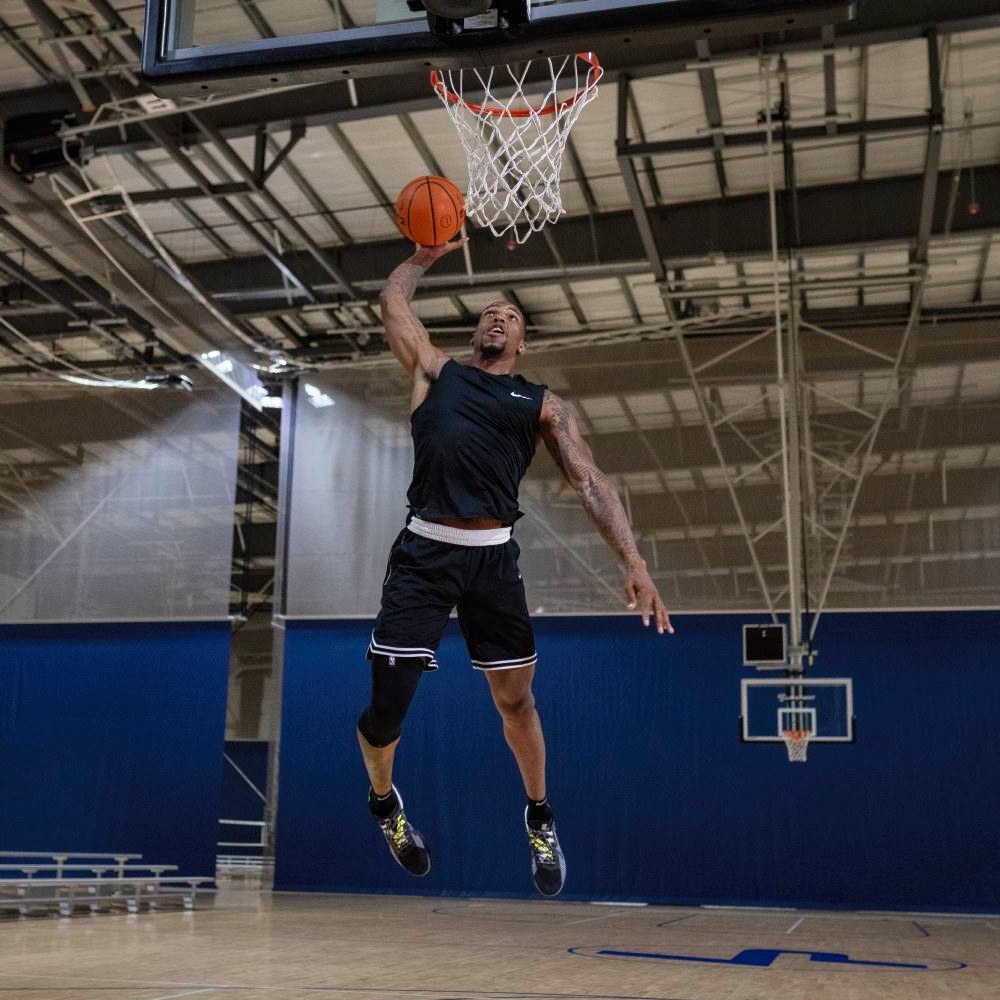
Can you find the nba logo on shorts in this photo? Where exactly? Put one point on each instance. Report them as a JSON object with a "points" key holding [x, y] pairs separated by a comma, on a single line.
{"points": [[392, 661]]}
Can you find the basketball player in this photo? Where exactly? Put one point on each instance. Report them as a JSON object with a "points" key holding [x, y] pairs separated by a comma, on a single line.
{"points": [[475, 427]]}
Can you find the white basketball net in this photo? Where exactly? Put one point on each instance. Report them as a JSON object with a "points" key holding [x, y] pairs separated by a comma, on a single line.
{"points": [[797, 744], [513, 146]]}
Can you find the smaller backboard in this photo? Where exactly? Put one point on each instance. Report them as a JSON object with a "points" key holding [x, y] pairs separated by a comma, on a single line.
{"points": [[765, 646], [823, 707]]}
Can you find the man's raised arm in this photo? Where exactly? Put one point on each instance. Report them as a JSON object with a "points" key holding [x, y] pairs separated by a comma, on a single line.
{"points": [[600, 500], [407, 336]]}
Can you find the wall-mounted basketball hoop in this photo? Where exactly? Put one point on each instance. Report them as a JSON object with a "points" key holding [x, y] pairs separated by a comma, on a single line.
{"points": [[797, 712]]}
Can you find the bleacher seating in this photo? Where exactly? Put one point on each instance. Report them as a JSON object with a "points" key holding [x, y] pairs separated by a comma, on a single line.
{"points": [[94, 883]]}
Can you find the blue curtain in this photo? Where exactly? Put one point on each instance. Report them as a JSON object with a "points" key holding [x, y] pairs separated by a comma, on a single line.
{"points": [[111, 739], [656, 798]]}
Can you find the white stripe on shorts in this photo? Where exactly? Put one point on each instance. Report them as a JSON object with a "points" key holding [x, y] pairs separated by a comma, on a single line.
{"points": [[415, 651], [524, 661]]}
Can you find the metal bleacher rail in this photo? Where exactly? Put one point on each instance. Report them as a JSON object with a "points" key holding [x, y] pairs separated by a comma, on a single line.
{"points": [[251, 859], [112, 883]]}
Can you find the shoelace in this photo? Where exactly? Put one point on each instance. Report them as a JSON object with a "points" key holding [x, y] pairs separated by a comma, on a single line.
{"points": [[543, 844], [397, 831]]}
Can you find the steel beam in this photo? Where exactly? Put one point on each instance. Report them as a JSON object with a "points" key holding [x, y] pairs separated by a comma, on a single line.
{"points": [[418, 140], [928, 199], [830, 78], [321, 104], [984, 260], [932, 159], [148, 173], [186, 193], [246, 174], [874, 126], [713, 111], [640, 213], [834, 218], [27, 53], [864, 453]]}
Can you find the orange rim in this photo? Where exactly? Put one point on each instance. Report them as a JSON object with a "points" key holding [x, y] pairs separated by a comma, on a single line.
{"points": [[593, 75]]}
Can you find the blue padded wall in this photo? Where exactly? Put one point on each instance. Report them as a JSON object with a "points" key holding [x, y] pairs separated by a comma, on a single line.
{"points": [[111, 739], [656, 798]]}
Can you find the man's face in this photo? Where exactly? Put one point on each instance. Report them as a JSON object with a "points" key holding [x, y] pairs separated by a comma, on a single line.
{"points": [[500, 331]]}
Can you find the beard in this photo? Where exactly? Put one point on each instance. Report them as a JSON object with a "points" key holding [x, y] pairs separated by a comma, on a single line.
{"points": [[492, 350]]}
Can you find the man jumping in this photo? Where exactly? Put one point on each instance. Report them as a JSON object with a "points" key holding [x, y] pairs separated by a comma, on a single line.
{"points": [[475, 427]]}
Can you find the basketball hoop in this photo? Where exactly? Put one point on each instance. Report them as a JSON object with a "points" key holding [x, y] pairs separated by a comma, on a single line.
{"points": [[514, 146], [797, 743]]}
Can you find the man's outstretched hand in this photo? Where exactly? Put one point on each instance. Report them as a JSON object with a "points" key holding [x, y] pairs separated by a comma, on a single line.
{"points": [[641, 593], [425, 256]]}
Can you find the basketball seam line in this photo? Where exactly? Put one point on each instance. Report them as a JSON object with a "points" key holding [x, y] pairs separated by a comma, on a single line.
{"points": [[433, 214]]}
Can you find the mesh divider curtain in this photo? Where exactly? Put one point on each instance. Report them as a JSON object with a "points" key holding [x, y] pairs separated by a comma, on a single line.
{"points": [[348, 500], [917, 538], [353, 463], [117, 504]]}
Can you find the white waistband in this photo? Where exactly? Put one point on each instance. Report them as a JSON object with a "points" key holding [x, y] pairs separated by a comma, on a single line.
{"points": [[459, 536]]}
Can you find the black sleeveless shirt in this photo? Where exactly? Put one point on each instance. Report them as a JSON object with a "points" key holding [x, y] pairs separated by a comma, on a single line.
{"points": [[473, 438]]}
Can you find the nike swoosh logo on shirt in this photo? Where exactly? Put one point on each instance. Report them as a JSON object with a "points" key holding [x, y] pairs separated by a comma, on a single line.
{"points": [[519, 396]]}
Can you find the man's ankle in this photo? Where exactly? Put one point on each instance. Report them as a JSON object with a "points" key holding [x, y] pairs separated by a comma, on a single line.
{"points": [[539, 811], [383, 806]]}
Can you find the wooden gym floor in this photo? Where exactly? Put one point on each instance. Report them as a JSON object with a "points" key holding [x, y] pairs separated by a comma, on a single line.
{"points": [[258, 946]]}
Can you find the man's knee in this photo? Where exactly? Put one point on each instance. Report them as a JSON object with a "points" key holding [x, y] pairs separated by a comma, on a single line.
{"points": [[378, 730], [394, 683], [514, 704]]}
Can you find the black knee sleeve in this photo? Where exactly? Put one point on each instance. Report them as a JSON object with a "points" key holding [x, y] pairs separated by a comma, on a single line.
{"points": [[394, 683]]}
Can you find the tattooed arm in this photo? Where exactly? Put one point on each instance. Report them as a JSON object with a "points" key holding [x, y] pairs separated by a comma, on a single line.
{"points": [[406, 335], [561, 435]]}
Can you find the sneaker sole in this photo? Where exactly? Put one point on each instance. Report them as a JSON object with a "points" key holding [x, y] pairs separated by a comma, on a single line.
{"points": [[407, 870], [551, 895]]}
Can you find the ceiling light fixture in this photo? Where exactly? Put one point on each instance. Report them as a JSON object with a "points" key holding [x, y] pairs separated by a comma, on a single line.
{"points": [[317, 397]]}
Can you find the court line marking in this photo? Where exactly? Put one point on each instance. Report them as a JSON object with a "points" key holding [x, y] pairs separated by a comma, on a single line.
{"points": [[186, 993], [600, 916], [796, 924], [378, 991], [381, 994], [142, 984]]}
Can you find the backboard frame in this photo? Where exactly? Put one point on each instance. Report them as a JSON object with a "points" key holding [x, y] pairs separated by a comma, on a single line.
{"points": [[791, 682], [174, 67]]}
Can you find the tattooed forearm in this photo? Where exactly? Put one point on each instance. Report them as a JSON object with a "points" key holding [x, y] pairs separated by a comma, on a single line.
{"points": [[403, 280], [600, 501], [598, 495]]}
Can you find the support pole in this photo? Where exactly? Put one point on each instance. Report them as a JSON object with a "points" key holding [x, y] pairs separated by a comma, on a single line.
{"points": [[788, 392]]}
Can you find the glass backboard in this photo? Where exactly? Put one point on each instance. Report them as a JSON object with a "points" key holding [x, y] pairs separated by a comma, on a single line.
{"points": [[198, 47], [822, 706]]}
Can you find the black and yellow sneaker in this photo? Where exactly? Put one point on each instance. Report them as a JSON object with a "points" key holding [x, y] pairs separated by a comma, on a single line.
{"points": [[548, 866], [404, 840]]}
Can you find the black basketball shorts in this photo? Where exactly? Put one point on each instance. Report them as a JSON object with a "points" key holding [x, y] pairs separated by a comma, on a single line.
{"points": [[425, 579]]}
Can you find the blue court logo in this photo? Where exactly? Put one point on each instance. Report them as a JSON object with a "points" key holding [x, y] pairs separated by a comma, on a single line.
{"points": [[764, 958]]}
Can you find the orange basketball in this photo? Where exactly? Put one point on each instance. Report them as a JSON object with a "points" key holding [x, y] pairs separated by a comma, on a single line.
{"points": [[430, 211]]}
